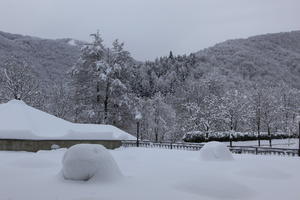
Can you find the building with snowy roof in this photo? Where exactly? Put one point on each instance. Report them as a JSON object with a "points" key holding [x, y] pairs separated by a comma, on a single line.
{"points": [[25, 128]]}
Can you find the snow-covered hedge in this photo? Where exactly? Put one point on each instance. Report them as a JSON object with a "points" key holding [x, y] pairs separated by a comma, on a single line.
{"points": [[201, 136]]}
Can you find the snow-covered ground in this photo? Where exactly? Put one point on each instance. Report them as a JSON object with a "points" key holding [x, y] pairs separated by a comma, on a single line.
{"points": [[276, 143], [152, 174]]}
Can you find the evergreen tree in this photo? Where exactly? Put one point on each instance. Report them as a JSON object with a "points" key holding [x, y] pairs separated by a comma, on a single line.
{"points": [[100, 80]]}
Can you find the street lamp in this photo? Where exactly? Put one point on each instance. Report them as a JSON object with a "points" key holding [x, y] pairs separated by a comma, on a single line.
{"points": [[230, 138], [138, 117]]}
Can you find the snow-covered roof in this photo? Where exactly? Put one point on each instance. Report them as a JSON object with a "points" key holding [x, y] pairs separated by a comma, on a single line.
{"points": [[20, 121]]}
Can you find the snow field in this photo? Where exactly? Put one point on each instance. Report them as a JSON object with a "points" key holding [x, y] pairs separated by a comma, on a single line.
{"points": [[152, 174], [291, 143]]}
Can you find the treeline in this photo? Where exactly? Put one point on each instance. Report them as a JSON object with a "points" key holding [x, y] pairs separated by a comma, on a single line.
{"points": [[170, 96]]}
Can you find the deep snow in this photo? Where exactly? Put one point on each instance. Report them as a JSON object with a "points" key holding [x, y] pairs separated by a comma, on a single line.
{"points": [[89, 162], [152, 174], [20, 121]]}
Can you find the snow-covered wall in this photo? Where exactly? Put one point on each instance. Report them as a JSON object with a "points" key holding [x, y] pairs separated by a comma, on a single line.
{"points": [[36, 145]]}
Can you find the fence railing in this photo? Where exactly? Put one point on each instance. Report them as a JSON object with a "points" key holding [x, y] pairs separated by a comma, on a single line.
{"points": [[233, 149]]}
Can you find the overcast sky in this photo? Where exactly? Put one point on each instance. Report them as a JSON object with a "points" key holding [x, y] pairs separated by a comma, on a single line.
{"points": [[154, 27]]}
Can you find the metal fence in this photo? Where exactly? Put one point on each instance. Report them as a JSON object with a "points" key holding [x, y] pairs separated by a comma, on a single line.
{"points": [[233, 149]]}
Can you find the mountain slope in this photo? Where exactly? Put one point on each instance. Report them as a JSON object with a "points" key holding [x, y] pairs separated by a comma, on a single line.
{"points": [[265, 57], [49, 59], [273, 57]]}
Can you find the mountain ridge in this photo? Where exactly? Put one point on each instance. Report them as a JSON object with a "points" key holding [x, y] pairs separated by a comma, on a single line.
{"points": [[269, 56], [49, 59]]}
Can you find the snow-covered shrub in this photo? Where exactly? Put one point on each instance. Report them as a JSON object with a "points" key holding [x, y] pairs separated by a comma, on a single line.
{"points": [[215, 151], [89, 162], [201, 136], [55, 146]]}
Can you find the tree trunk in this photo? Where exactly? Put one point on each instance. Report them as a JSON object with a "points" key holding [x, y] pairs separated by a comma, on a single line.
{"points": [[206, 134], [156, 136], [258, 133], [106, 104], [286, 113], [258, 118], [231, 129], [269, 134], [105, 110], [76, 116], [231, 123], [156, 121], [137, 133]]}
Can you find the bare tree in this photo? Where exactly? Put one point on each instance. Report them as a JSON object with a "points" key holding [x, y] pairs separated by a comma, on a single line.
{"points": [[270, 110], [18, 82], [257, 107], [59, 101]]}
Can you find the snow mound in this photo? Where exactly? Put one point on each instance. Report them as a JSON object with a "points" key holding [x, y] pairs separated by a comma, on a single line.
{"points": [[86, 162], [215, 151]]}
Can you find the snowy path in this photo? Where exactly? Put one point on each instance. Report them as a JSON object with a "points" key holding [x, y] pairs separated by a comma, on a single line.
{"points": [[153, 174]]}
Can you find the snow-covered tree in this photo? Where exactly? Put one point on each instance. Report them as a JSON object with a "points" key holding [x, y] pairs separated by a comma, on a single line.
{"points": [[101, 78], [235, 109], [159, 119], [59, 102], [164, 118], [270, 110], [18, 81], [112, 85], [85, 82]]}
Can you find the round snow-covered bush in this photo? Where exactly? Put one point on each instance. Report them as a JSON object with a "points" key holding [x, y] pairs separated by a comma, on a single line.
{"points": [[55, 146], [89, 162], [215, 151]]}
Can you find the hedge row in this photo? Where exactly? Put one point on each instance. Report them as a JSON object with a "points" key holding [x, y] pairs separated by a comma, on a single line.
{"points": [[199, 136]]}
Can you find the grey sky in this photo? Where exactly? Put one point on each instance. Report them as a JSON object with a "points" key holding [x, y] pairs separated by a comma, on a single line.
{"points": [[154, 27]]}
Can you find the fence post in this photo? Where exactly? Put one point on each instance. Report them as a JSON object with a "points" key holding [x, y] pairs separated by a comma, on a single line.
{"points": [[256, 150]]}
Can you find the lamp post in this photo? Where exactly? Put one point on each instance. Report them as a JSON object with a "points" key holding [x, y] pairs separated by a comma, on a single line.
{"points": [[138, 117], [230, 138]]}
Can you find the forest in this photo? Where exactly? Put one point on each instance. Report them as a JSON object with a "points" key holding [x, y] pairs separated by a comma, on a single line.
{"points": [[249, 85]]}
